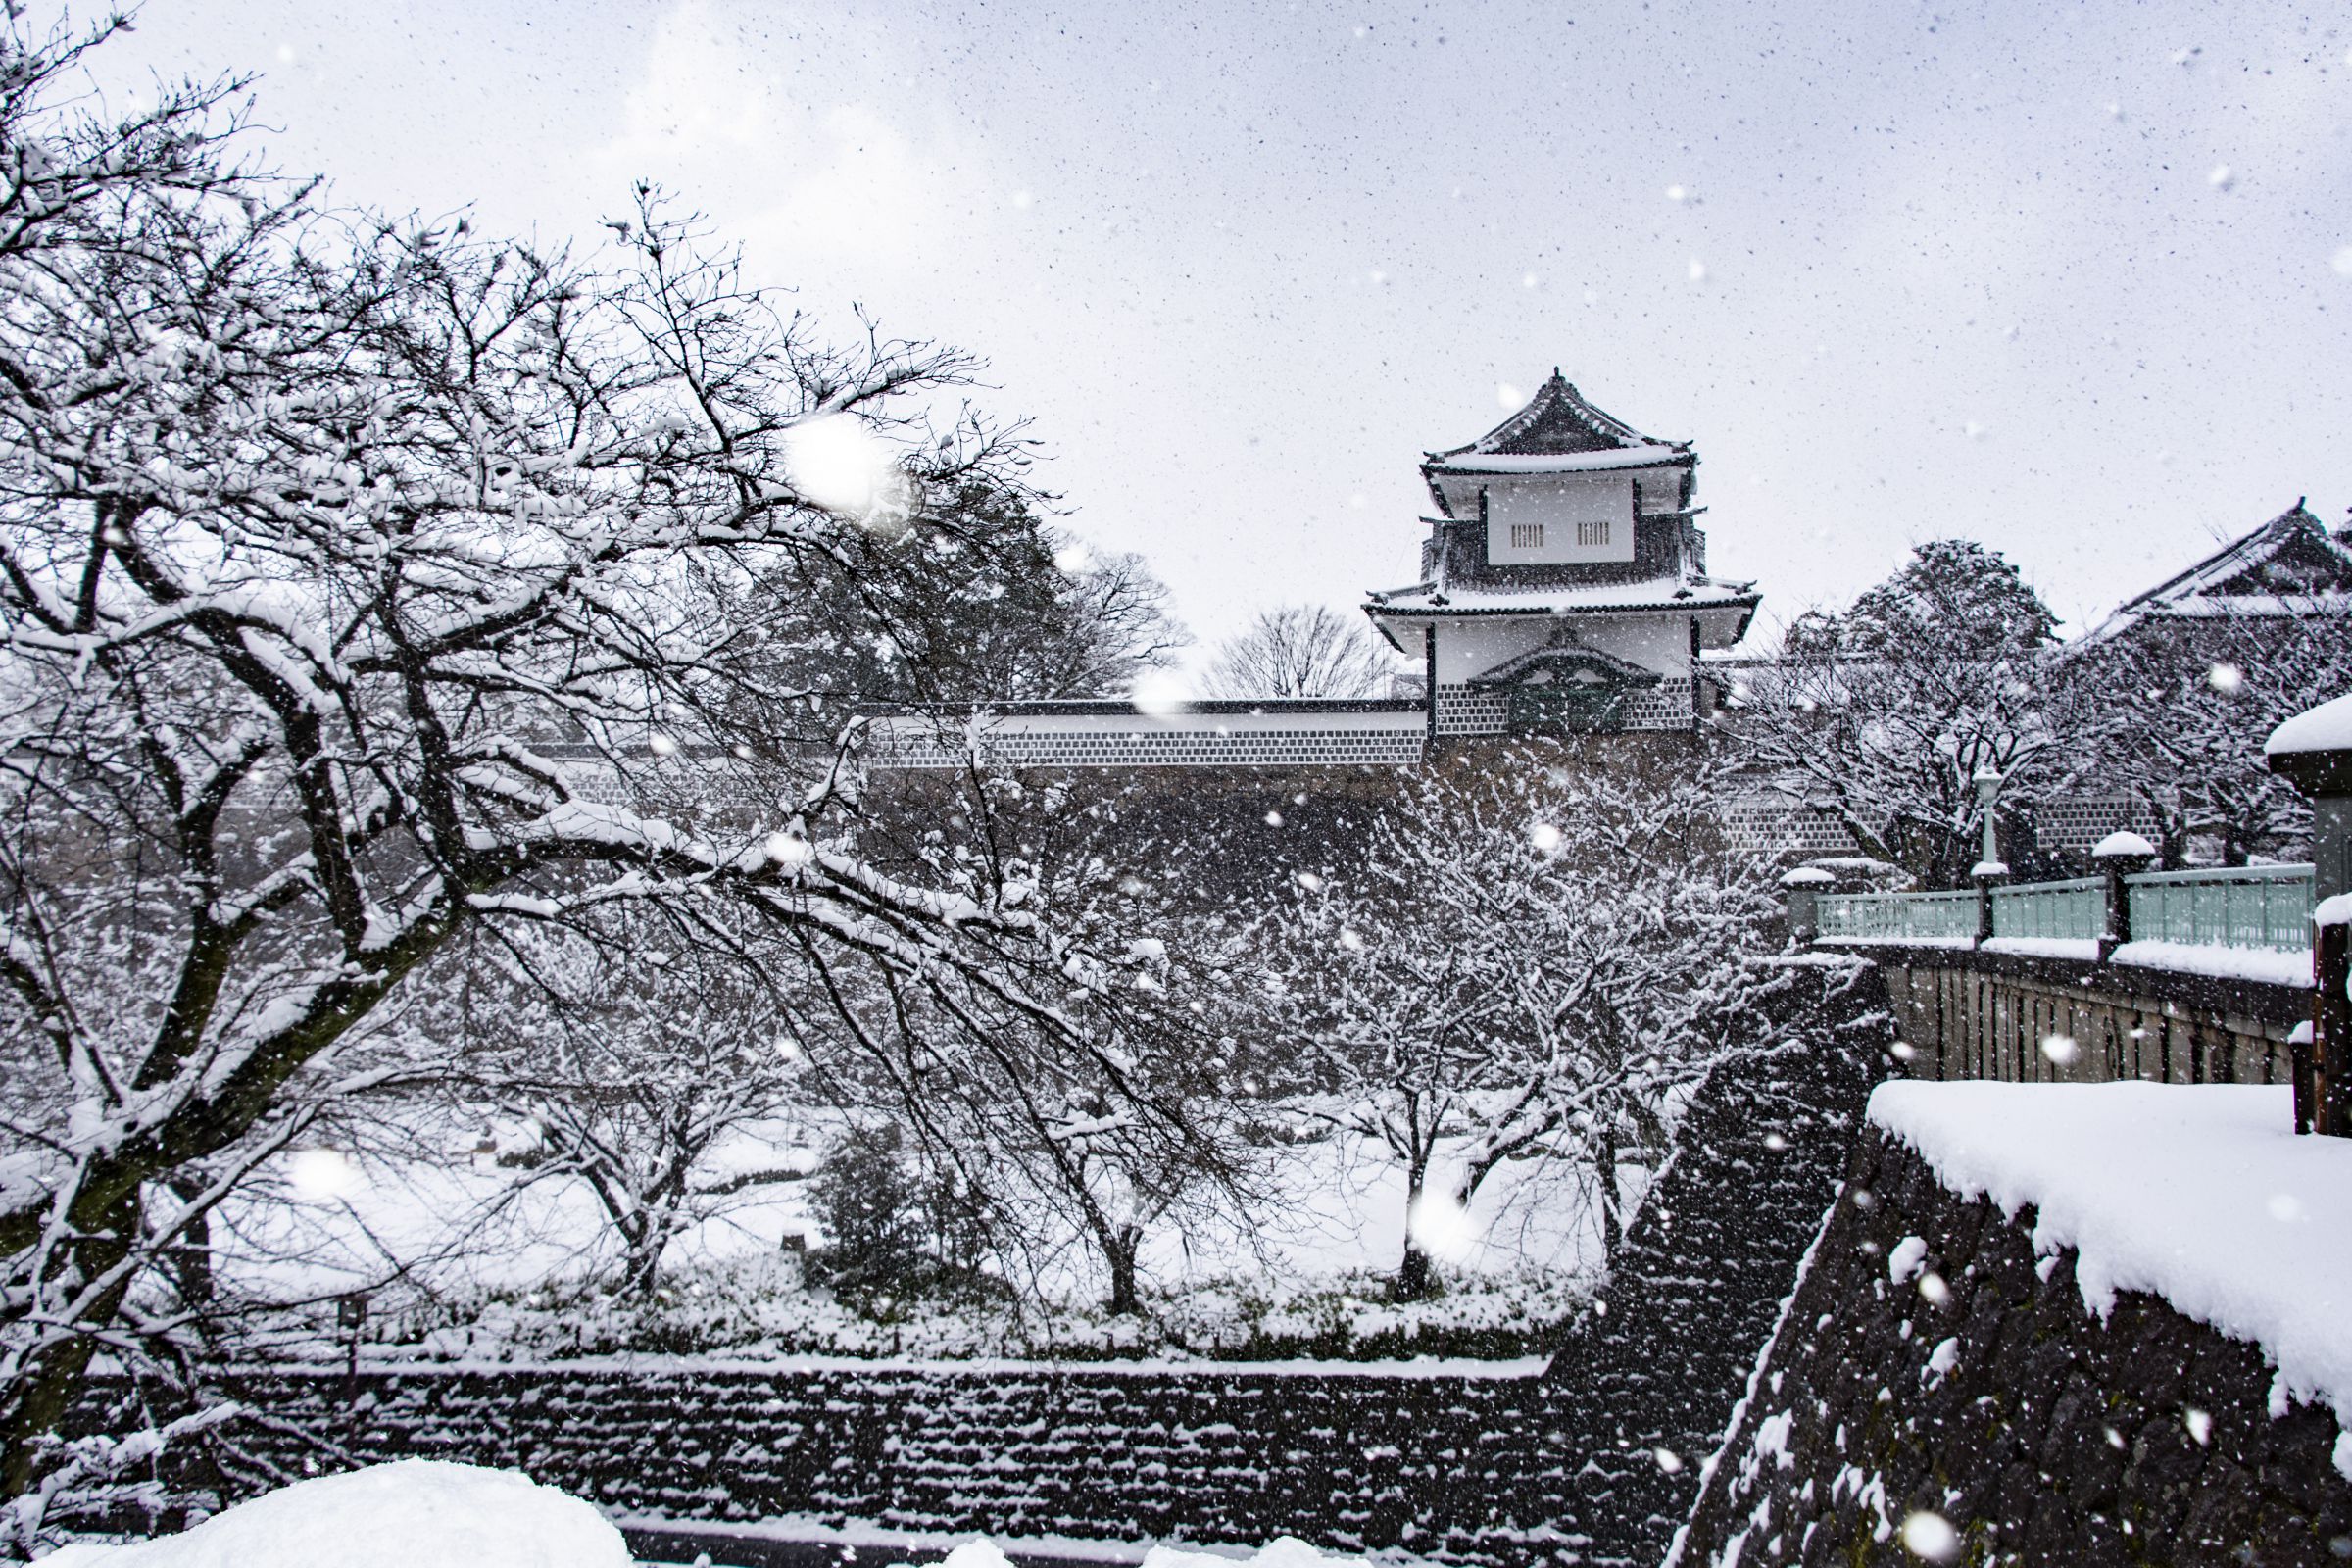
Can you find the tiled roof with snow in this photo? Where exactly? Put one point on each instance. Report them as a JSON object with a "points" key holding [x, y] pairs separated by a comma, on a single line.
{"points": [[1657, 593], [2290, 565], [1558, 424], [1653, 455]]}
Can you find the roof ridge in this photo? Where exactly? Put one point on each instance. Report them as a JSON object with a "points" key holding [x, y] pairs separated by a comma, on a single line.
{"points": [[1558, 401]]}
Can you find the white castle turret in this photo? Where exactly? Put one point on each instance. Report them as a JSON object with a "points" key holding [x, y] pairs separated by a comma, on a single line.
{"points": [[1564, 582], [1564, 590]]}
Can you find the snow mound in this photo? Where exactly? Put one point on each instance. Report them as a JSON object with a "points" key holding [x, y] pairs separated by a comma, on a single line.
{"points": [[1283, 1552], [2203, 1196], [415, 1513], [2324, 728]]}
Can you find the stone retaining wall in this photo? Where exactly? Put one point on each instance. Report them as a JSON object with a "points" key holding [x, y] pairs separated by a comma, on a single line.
{"points": [[1434, 1465], [2043, 1434]]}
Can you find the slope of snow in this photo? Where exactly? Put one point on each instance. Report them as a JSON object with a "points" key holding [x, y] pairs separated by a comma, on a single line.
{"points": [[2274, 965], [2203, 1196], [2324, 728], [415, 1513]]}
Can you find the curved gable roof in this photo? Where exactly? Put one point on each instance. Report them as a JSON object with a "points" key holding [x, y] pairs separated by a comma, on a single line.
{"points": [[1557, 421]]}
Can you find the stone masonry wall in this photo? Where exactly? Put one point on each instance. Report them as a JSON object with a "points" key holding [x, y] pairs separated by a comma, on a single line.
{"points": [[1647, 1389], [1435, 1465], [2044, 1435]]}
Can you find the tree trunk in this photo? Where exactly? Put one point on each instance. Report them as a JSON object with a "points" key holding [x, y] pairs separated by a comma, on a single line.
{"points": [[1415, 1279], [1416, 1275], [34, 1403], [192, 1257], [1119, 1251], [1612, 1228]]}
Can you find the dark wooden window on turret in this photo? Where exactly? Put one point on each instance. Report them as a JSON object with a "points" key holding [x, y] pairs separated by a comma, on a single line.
{"points": [[1527, 536], [1593, 535]]}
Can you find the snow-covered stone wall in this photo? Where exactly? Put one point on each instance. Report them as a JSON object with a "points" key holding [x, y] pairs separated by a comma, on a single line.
{"points": [[1647, 1390], [1940, 1389], [1122, 1455]]}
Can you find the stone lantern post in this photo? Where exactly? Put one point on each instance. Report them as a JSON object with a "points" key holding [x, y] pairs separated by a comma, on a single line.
{"points": [[1802, 889], [2120, 855], [2312, 751]]}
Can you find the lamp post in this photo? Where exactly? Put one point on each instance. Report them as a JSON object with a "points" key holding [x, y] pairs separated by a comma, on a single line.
{"points": [[350, 1315], [1989, 869]]}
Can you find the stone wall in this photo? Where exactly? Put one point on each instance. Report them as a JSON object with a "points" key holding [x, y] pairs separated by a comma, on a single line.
{"points": [[2043, 1434], [2071, 823], [1432, 1464], [1648, 1389]]}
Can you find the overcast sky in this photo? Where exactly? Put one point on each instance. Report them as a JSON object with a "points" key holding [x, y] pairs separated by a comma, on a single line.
{"points": [[2075, 281]]}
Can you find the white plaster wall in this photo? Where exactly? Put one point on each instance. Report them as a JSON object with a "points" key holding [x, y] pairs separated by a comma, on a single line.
{"points": [[1469, 648], [1654, 642], [1559, 504]]}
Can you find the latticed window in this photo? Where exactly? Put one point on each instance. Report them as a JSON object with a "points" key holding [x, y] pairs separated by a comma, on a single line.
{"points": [[1591, 535], [1527, 536]]}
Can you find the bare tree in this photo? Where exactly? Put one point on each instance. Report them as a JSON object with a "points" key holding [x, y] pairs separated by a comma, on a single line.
{"points": [[1535, 964], [363, 585], [2172, 713], [1049, 1145], [1300, 651], [1884, 715], [633, 1048]]}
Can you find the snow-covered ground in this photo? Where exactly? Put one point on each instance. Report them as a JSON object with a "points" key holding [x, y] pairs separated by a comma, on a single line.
{"points": [[414, 1513], [493, 1270], [425, 1513], [2203, 1196]]}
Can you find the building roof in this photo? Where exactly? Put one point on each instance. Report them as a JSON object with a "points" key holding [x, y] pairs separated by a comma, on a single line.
{"points": [[1557, 432], [2290, 565], [1657, 593]]}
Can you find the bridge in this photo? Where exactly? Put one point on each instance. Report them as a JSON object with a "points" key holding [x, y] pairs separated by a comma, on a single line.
{"points": [[2235, 974]]}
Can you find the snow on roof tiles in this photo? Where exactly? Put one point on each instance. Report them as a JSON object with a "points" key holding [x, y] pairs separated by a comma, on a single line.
{"points": [[1557, 421], [1658, 593], [2290, 565], [1652, 454]]}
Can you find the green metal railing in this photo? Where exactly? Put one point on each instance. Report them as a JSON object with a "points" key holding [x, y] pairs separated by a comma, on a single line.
{"points": [[2234, 906], [2076, 909], [2258, 907], [1897, 916]]}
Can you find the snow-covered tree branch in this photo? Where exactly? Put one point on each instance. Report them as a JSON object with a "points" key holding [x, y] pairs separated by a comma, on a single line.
{"points": [[363, 584], [1536, 963]]}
